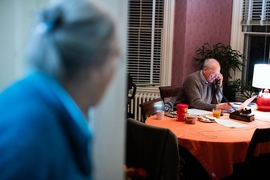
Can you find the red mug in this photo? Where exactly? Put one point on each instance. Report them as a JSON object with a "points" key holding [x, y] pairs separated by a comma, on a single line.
{"points": [[182, 110]]}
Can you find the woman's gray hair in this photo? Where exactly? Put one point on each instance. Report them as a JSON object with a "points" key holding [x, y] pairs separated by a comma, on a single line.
{"points": [[69, 36]]}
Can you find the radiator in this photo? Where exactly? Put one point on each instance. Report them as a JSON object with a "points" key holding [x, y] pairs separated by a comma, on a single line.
{"points": [[142, 95]]}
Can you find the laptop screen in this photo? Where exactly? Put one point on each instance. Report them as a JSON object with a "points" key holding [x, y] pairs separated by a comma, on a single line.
{"points": [[246, 103]]}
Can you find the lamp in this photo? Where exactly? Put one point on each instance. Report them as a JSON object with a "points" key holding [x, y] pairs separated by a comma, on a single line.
{"points": [[261, 80]]}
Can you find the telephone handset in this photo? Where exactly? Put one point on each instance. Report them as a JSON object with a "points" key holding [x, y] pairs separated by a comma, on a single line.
{"points": [[217, 82]]}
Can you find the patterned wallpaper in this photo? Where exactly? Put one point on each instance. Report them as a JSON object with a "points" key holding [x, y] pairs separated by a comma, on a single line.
{"points": [[198, 22]]}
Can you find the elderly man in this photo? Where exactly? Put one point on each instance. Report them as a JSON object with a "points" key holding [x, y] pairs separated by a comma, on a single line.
{"points": [[203, 89]]}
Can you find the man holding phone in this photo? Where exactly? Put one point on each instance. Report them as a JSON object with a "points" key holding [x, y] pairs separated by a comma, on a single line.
{"points": [[203, 89]]}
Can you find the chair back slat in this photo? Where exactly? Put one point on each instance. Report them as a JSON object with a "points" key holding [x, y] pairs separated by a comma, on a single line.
{"points": [[169, 91], [148, 108], [260, 135]]}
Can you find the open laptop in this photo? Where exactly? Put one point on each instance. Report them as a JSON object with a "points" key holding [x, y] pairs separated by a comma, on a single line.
{"points": [[246, 103]]}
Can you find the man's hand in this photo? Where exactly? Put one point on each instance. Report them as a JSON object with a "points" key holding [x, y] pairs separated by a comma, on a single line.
{"points": [[223, 106], [220, 80]]}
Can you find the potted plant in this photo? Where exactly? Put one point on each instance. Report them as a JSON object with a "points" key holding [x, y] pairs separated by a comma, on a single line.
{"points": [[231, 89], [229, 59], [246, 90]]}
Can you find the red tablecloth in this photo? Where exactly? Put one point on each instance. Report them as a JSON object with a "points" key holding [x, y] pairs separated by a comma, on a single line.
{"points": [[217, 147]]}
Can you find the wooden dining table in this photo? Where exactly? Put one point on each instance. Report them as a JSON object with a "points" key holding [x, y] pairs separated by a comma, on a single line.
{"points": [[215, 146]]}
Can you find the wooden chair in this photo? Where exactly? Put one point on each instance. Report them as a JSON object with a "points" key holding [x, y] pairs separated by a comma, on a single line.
{"points": [[148, 108], [254, 167], [153, 149], [130, 86], [169, 91]]}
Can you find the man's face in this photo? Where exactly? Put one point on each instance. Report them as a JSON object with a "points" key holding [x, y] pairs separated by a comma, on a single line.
{"points": [[211, 74]]}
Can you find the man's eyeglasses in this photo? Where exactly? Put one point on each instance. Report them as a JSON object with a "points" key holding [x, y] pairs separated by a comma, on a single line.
{"points": [[214, 74]]}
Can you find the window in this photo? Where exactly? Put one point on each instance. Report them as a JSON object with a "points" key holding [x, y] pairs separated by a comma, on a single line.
{"points": [[257, 51], [256, 34], [256, 12], [145, 31]]}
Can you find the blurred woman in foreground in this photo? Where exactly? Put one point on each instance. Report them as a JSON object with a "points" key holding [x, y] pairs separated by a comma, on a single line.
{"points": [[43, 117]]}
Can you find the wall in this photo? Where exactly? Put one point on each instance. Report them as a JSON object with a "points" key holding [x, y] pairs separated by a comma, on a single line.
{"points": [[16, 18], [198, 22], [109, 115]]}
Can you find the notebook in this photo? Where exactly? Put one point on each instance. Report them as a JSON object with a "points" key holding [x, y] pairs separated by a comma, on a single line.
{"points": [[198, 112]]}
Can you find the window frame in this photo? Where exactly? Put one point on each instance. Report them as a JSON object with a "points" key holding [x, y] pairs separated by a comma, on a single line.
{"points": [[167, 42], [237, 35]]}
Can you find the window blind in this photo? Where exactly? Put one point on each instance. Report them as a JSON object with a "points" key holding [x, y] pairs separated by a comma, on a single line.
{"points": [[145, 24], [256, 12]]}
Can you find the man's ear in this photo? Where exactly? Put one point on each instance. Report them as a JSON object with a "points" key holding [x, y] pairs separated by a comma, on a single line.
{"points": [[204, 70]]}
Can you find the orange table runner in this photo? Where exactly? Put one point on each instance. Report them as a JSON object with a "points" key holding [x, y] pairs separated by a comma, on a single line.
{"points": [[217, 147]]}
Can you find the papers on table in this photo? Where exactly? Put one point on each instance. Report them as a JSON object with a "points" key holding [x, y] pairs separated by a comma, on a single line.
{"points": [[230, 123], [224, 122], [198, 112]]}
